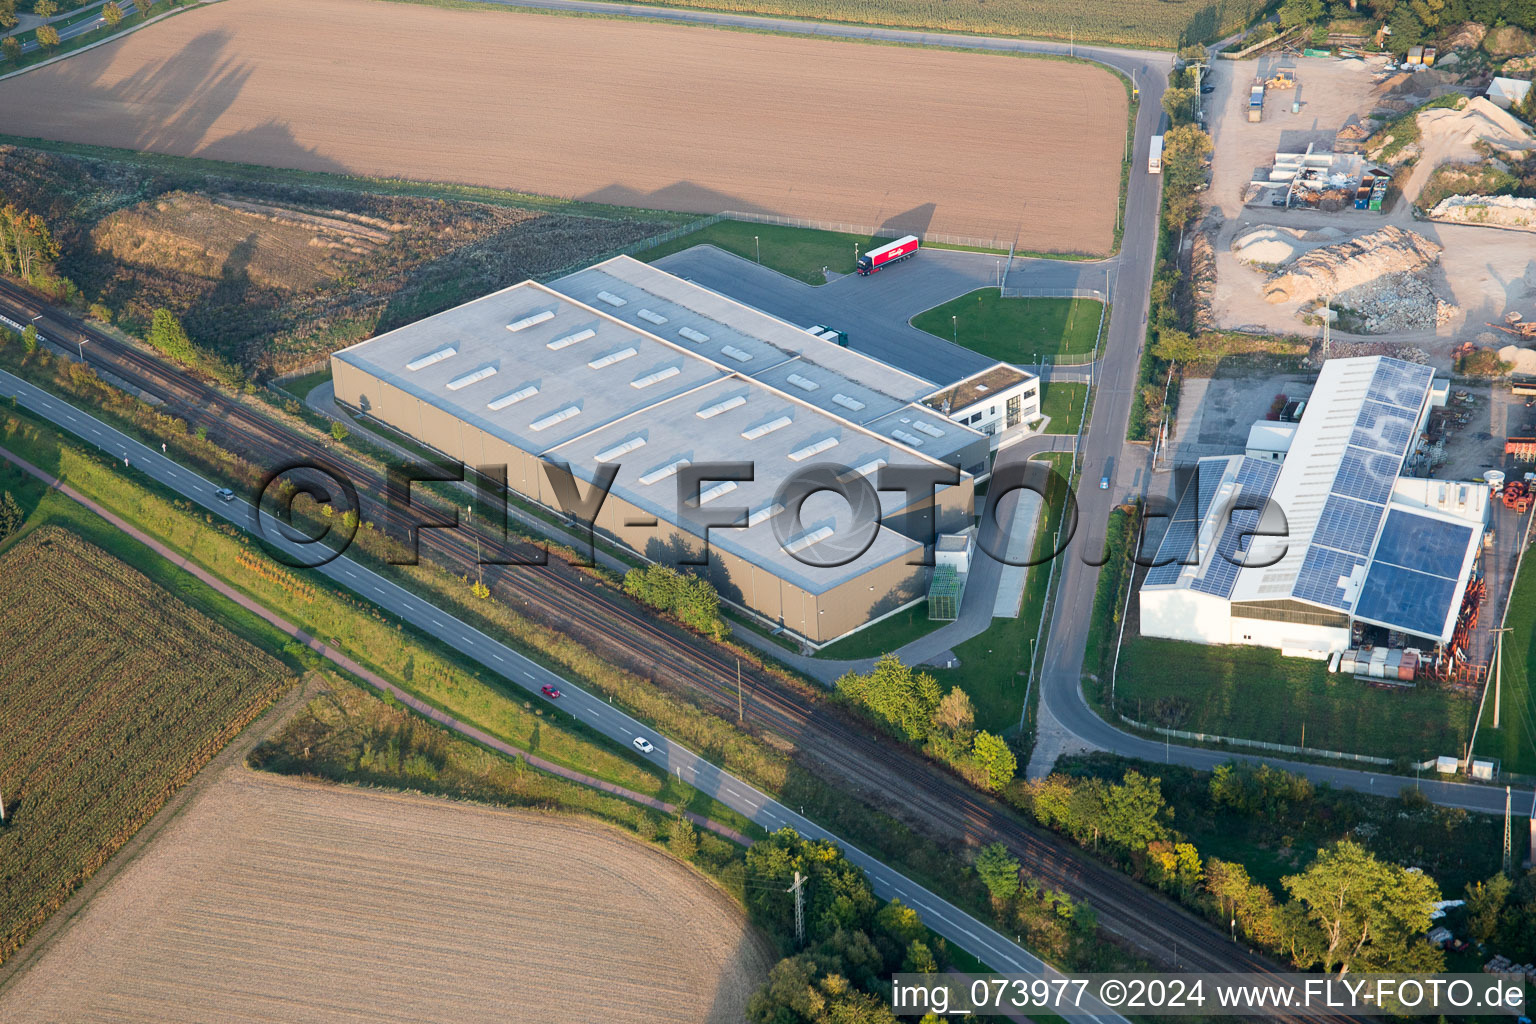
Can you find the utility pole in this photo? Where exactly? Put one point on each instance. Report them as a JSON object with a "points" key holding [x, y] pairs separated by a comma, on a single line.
{"points": [[799, 908], [1506, 831], [1498, 666]]}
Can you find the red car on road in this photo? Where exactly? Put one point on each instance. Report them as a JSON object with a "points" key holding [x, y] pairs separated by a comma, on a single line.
{"points": [[549, 691]]}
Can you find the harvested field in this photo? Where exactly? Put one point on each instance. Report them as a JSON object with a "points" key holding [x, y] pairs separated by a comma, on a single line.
{"points": [[986, 147], [112, 695], [274, 899]]}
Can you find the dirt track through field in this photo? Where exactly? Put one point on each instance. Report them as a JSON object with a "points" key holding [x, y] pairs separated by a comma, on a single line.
{"points": [[274, 900], [680, 118]]}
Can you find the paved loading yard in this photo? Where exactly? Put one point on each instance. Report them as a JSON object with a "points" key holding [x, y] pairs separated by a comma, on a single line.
{"points": [[624, 112], [874, 310]]}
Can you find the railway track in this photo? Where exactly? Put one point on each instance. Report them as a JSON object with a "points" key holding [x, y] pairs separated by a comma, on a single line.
{"points": [[888, 775]]}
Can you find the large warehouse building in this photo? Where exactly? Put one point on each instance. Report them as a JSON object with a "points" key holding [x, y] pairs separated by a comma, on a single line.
{"points": [[1362, 546], [623, 365]]}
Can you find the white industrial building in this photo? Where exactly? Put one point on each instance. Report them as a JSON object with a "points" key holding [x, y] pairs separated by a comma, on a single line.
{"points": [[1293, 554], [996, 400]]}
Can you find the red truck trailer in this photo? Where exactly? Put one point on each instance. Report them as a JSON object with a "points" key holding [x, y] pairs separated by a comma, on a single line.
{"points": [[876, 259]]}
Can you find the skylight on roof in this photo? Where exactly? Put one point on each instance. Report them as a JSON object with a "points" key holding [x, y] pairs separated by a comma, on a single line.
{"points": [[763, 513], [614, 357], [692, 335], [612, 299], [805, 540], [801, 454], [928, 428], [804, 383], [570, 339], [655, 377], [496, 405], [848, 403], [471, 378], [980, 388], [531, 321], [764, 429], [736, 353], [660, 473], [651, 317], [545, 422], [622, 448], [709, 494], [422, 362], [906, 438], [709, 412], [868, 469]]}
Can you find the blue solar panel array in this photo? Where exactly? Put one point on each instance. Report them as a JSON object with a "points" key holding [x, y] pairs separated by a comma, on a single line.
{"points": [[1411, 583], [1178, 545], [1357, 501], [1255, 482]]}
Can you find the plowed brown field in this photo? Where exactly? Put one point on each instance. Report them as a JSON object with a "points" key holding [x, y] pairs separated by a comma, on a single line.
{"points": [[992, 148], [276, 900]]}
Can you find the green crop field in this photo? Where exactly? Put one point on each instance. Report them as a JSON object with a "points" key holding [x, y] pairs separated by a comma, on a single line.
{"points": [[113, 694], [1254, 693], [1016, 330], [1152, 23]]}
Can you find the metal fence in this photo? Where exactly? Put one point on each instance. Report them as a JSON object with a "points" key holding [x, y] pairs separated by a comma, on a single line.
{"points": [[1011, 292], [1281, 748]]}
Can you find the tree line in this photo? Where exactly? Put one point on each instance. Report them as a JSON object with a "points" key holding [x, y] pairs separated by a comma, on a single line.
{"points": [[912, 706], [1347, 910], [689, 598]]}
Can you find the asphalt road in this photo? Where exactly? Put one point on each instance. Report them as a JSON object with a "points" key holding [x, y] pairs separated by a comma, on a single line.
{"points": [[954, 924], [80, 28], [874, 310]]}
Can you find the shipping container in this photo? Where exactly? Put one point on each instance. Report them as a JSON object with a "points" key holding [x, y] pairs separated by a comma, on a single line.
{"points": [[1256, 103], [892, 252], [1415, 55]]}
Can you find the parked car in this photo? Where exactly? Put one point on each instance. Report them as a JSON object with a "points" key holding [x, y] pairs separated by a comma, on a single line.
{"points": [[549, 691], [643, 745], [1277, 202], [225, 494], [1207, 89]]}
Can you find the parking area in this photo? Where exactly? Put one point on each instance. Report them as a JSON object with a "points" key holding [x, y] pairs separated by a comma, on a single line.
{"points": [[875, 310]]}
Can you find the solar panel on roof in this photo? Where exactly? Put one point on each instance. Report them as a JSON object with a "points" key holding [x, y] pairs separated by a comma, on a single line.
{"points": [[1321, 572], [1366, 475], [1398, 383], [1254, 482], [1405, 599], [1420, 542], [1347, 525], [1383, 428]]}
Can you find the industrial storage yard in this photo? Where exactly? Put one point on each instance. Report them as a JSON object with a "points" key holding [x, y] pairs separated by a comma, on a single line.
{"points": [[876, 137], [271, 896], [1429, 285]]}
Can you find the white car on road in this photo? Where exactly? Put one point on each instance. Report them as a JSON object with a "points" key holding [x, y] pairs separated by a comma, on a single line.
{"points": [[643, 745]]}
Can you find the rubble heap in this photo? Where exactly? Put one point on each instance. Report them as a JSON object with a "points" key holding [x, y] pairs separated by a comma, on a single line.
{"points": [[1335, 269], [1396, 302], [1500, 211]]}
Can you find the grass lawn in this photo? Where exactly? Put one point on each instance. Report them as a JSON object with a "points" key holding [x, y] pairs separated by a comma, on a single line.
{"points": [[300, 387], [884, 636], [1514, 742], [797, 252], [994, 667], [1016, 330], [1254, 693], [1063, 402]]}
